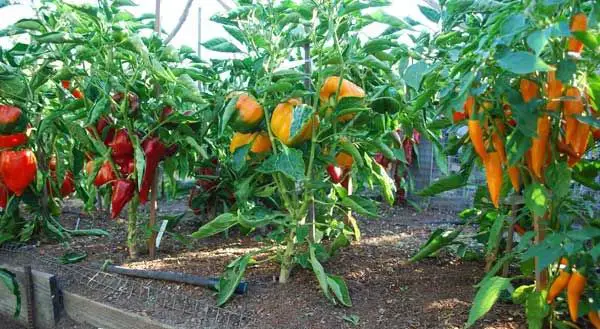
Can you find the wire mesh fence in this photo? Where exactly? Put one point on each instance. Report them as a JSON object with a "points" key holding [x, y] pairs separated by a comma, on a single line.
{"points": [[146, 297]]}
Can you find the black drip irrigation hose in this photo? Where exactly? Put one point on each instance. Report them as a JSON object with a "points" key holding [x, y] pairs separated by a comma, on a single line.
{"points": [[207, 282]]}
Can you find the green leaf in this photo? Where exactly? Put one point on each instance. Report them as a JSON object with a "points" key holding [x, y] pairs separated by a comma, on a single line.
{"points": [[444, 184], [30, 24], [558, 179], [495, 235], [55, 37], [340, 290], [235, 33], [519, 296], [414, 74], [351, 149], [381, 16], [431, 14], [362, 206], [289, 163], [538, 40], [73, 257], [521, 62], [231, 278], [320, 273], [98, 109], [10, 282], [588, 39], [219, 224], [536, 310], [536, 198], [221, 45], [486, 297], [140, 160], [123, 3], [585, 173]]}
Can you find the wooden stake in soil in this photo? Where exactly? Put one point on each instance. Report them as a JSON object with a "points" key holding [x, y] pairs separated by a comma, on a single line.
{"points": [[30, 302]]}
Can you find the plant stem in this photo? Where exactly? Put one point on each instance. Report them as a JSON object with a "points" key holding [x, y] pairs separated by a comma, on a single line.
{"points": [[132, 227], [286, 262]]}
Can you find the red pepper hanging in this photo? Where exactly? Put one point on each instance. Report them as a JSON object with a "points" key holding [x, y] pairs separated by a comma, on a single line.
{"points": [[121, 145], [154, 152], [335, 173], [4, 194], [12, 140], [123, 191], [17, 170]]}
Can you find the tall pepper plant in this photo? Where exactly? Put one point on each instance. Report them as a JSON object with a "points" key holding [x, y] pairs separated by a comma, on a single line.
{"points": [[520, 79], [96, 104], [301, 128]]}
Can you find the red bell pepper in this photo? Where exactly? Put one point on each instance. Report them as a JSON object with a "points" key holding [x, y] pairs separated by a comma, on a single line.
{"points": [[77, 93], [154, 152], [12, 140], [65, 84], [68, 185], [104, 128], [458, 117], [105, 174], [12, 119], [126, 165], [335, 173], [122, 193], [18, 169], [121, 145], [407, 144]]}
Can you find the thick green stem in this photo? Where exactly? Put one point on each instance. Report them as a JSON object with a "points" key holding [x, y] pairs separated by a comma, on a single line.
{"points": [[132, 227], [286, 262]]}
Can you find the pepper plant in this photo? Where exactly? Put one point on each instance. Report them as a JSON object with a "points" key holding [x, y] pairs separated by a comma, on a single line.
{"points": [[108, 96], [307, 109], [520, 78]]}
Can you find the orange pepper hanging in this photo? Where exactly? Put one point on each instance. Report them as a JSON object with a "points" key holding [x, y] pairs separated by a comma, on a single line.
{"points": [[578, 24], [469, 106], [493, 173], [580, 142], [560, 283], [571, 108], [594, 318], [513, 171], [574, 291], [529, 90], [539, 146], [476, 135], [553, 90]]}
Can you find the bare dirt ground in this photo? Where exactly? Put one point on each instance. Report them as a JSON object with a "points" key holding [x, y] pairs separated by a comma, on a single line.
{"points": [[386, 292]]}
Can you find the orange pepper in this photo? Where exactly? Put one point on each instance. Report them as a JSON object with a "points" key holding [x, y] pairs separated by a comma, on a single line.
{"points": [[578, 24], [574, 291], [529, 90], [553, 90], [469, 106], [571, 108], [493, 173], [539, 146], [594, 318], [476, 135]]}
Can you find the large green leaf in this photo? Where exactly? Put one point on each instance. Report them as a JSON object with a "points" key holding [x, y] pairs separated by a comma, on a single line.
{"points": [[522, 62], [219, 224], [536, 198], [289, 162], [486, 297], [221, 45], [339, 288], [536, 309], [231, 278]]}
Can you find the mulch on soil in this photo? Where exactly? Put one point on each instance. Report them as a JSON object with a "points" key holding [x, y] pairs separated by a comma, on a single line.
{"points": [[386, 292]]}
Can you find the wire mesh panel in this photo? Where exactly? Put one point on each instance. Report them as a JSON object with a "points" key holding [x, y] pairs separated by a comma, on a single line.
{"points": [[148, 297]]}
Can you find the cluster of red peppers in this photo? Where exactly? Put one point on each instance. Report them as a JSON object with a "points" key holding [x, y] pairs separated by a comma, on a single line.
{"points": [[18, 167], [67, 187], [75, 92], [122, 155]]}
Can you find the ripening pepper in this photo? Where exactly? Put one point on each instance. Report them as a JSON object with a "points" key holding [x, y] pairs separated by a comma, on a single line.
{"points": [[596, 133], [65, 84], [468, 106], [68, 185], [407, 146], [519, 229], [123, 191], [103, 129], [580, 142], [571, 108], [578, 24], [529, 90], [335, 173], [574, 291], [594, 318], [260, 142], [553, 90], [154, 152], [381, 159], [126, 165], [18, 169], [346, 89], [539, 146], [476, 135], [559, 284], [105, 174], [121, 144], [248, 113], [12, 119], [344, 160], [281, 123], [12, 140], [77, 94], [458, 117], [493, 174]]}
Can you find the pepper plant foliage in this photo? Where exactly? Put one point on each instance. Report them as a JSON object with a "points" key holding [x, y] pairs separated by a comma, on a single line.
{"points": [[94, 89], [289, 53], [521, 77]]}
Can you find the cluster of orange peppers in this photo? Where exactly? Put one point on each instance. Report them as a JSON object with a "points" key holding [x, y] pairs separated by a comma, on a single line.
{"points": [[574, 282], [573, 142]]}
